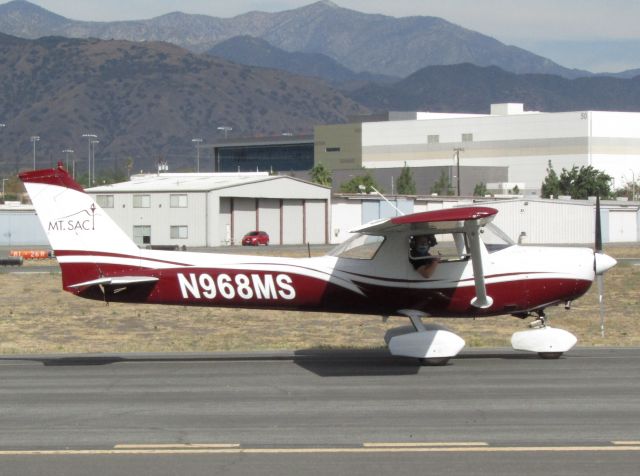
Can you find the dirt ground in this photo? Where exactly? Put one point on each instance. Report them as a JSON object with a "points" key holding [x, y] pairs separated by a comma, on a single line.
{"points": [[36, 316]]}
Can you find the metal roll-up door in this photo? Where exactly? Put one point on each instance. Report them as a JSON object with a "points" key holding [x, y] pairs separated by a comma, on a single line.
{"points": [[315, 221], [269, 218], [622, 226], [292, 222], [244, 217]]}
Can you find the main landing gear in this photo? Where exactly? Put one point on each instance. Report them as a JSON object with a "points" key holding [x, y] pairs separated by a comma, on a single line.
{"points": [[434, 345], [547, 341], [430, 343]]}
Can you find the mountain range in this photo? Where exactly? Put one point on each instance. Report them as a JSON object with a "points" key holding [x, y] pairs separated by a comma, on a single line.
{"points": [[470, 88], [147, 99], [361, 42], [144, 100]]}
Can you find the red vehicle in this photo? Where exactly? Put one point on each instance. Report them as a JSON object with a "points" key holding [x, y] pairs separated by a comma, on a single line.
{"points": [[255, 238]]}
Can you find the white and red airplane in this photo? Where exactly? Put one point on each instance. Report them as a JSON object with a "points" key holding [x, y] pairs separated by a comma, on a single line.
{"points": [[481, 272]]}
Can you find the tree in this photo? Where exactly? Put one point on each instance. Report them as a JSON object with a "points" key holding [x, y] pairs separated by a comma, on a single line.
{"points": [[443, 185], [321, 174], [515, 190], [584, 182], [406, 185], [480, 190], [353, 185], [551, 184], [578, 182]]}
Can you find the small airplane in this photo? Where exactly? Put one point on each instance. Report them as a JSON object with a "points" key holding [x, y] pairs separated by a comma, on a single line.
{"points": [[480, 272]]}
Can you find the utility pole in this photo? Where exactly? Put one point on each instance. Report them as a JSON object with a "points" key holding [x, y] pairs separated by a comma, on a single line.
{"points": [[457, 151]]}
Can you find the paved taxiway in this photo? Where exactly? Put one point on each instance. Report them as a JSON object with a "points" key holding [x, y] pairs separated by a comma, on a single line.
{"points": [[359, 412]]}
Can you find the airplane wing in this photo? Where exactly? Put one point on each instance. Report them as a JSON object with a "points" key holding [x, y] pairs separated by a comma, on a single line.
{"points": [[448, 220], [467, 220]]}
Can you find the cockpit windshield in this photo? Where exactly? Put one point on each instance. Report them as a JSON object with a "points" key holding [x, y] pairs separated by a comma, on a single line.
{"points": [[358, 247], [494, 238]]}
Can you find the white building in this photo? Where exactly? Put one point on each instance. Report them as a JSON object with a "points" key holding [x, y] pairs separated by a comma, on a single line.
{"points": [[198, 210], [528, 221], [521, 140], [19, 226]]}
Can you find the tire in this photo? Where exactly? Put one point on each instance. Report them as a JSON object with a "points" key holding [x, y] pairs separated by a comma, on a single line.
{"points": [[434, 361], [550, 355]]}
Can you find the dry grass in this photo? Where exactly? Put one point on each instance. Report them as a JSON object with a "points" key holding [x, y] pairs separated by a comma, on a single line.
{"points": [[38, 317]]}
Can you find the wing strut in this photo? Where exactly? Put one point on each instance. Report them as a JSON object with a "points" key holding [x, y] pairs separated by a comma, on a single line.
{"points": [[481, 301]]}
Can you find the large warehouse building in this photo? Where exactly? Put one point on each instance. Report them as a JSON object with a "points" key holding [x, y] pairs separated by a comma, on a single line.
{"points": [[196, 210], [510, 137]]}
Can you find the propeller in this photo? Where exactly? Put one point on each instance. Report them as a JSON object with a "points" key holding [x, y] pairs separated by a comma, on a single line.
{"points": [[601, 263]]}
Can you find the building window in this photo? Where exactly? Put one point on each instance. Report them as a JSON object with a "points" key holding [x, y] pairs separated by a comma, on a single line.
{"points": [[141, 201], [332, 149], [180, 232], [468, 137], [433, 139], [178, 200], [105, 201], [142, 235]]}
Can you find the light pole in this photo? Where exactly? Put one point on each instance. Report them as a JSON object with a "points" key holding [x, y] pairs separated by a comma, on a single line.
{"points": [[457, 151], [89, 138], [633, 186], [34, 139], [67, 152], [93, 161], [197, 141], [226, 130], [3, 181]]}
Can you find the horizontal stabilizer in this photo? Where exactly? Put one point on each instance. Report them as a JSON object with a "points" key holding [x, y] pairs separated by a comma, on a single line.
{"points": [[116, 281]]}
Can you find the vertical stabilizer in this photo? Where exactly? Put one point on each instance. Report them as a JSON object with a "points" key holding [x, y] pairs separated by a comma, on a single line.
{"points": [[86, 241]]}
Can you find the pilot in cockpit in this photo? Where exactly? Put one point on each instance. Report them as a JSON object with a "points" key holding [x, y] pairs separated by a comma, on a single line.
{"points": [[420, 257]]}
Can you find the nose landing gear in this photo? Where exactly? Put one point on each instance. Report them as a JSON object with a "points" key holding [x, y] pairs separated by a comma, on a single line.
{"points": [[548, 342]]}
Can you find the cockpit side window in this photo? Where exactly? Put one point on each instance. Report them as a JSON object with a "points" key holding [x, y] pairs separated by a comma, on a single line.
{"points": [[446, 246], [358, 246]]}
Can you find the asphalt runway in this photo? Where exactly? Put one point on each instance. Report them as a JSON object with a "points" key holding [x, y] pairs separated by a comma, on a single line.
{"points": [[320, 412]]}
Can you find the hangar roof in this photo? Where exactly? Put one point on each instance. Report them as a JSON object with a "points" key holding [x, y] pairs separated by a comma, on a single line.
{"points": [[194, 182]]}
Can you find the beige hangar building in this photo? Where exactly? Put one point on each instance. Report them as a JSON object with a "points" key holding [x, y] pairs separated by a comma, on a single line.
{"points": [[205, 210]]}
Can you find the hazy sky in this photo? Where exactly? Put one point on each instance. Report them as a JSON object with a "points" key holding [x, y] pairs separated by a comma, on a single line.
{"points": [[531, 24]]}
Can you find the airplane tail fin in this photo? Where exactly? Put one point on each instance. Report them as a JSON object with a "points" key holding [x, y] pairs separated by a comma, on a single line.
{"points": [[87, 242]]}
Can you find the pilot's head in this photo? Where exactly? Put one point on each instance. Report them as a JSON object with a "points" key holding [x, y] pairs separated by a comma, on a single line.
{"points": [[422, 243]]}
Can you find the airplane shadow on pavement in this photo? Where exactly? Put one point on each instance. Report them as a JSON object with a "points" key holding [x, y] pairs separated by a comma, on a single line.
{"points": [[320, 361]]}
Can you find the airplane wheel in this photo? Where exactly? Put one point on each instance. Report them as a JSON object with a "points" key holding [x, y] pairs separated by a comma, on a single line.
{"points": [[435, 361], [550, 355]]}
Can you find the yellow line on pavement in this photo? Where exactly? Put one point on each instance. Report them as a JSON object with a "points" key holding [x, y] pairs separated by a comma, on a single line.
{"points": [[176, 446], [345, 450], [425, 444]]}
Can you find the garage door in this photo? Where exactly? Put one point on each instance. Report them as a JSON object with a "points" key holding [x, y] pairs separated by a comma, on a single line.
{"points": [[623, 226], [244, 217], [292, 222], [269, 218], [315, 221]]}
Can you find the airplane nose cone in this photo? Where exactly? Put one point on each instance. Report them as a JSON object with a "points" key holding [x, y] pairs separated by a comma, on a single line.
{"points": [[604, 262]]}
